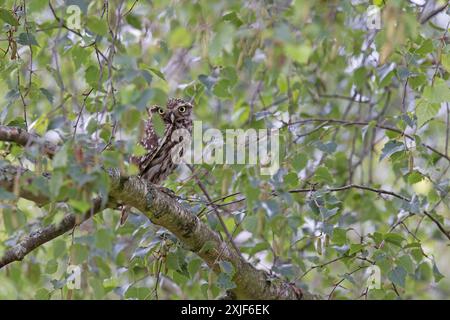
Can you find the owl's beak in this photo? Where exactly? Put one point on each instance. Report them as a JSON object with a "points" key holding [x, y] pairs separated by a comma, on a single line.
{"points": [[172, 118]]}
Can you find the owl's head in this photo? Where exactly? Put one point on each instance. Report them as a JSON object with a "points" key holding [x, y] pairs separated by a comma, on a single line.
{"points": [[176, 111]]}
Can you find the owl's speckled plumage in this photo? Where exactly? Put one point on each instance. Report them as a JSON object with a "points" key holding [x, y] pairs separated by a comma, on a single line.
{"points": [[157, 163]]}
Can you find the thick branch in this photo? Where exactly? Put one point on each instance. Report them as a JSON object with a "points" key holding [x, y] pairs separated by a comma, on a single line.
{"points": [[163, 210], [24, 138]]}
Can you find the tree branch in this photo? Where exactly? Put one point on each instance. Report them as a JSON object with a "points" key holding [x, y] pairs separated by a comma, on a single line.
{"points": [[163, 210], [365, 123], [42, 236], [344, 188], [24, 138]]}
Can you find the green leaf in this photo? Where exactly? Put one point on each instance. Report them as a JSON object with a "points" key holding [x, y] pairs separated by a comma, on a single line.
{"points": [[222, 88], [103, 239], [425, 111], [394, 238], [240, 116], [391, 147], [194, 266], [158, 125], [79, 56], [328, 147], [415, 177], [386, 80], [140, 293], [413, 205], [36, 6], [51, 267], [355, 247], [417, 81], [47, 94], [8, 17], [327, 213], [339, 236], [180, 37], [299, 53], [172, 261], [426, 47], [97, 25], [322, 174], [291, 179], [379, 3], [423, 272], [27, 39], [112, 282], [158, 73], [406, 262], [299, 161], [56, 182], [147, 76], [153, 70], [180, 278], [360, 75], [134, 21], [59, 248], [445, 60], [232, 16], [438, 93], [80, 253], [229, 73], [92, 75], [79, 205], [377, 237]]}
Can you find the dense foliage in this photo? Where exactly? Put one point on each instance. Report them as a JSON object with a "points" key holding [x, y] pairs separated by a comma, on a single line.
{"points": [[363, 116]]}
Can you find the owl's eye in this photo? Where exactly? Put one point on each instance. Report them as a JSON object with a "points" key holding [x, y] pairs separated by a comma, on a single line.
{"points": [[160, 111], [182, 109]]}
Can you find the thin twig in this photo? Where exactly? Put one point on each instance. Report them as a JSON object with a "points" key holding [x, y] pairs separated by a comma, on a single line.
{"points": [[81, 111], [219, 217]]}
